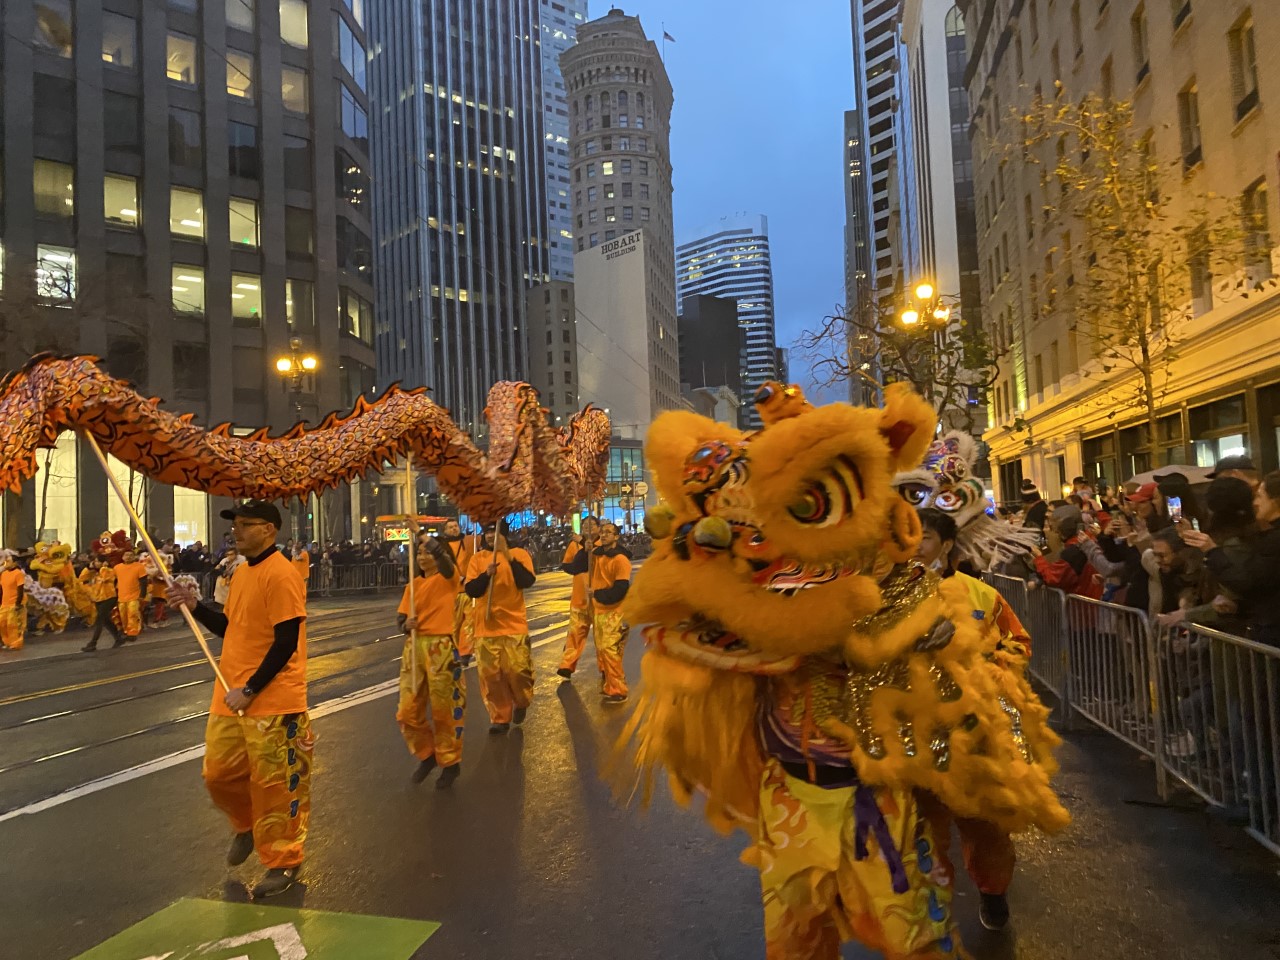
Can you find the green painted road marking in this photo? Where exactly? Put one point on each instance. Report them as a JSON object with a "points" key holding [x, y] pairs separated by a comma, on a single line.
{"points": [[211, 930]]}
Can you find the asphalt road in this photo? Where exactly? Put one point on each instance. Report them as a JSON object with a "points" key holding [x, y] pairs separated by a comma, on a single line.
{"points": [[530, 856]]}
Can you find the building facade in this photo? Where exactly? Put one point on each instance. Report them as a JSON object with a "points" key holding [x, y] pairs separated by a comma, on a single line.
{"points": [[711, 342], [859, 265], [553, 347], [730, 259], [1198, 93], [620, 160], [559, 27], [460, 210], [190, 201]]}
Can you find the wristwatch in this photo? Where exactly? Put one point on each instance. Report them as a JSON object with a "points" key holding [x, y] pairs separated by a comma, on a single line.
{"points": [[248, 691]]}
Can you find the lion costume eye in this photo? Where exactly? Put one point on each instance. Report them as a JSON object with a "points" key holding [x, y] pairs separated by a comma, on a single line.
{"points": [[829, 498], [914, 493]]}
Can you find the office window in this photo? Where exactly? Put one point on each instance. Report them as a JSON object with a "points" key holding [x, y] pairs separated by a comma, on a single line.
{"points": [[56, 274], [1141, 46], [356, 315], [185, 148], [186, 213], [240, 14], [626, 191], [609, 215], [122, 124], [351, 53], [591, 170], [299, 232], [622, 120], [625, 167], [357, 10], [54, 28], [243, 159], [354, 249], [606, 168], [1189, 125], [593, 216], [188, 289], [644, 167], [352, 180], [644, 191], [297, 163], [1200, 268], [592, 148], [644, 213], [608, 191], [627, 213], [120, 200], [595, 239], [246, 299], [624, 143], [244, 222], [355, 122], [293, 22], [1244, 66], [299, 305], [55, 121], [1257, 232], [181, 65], [240, 74], [186, 6], [591, 194], [54, 185], [119, 40], [293, 87]]}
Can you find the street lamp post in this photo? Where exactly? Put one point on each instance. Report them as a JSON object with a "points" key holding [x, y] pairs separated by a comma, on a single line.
{"points": [[293, 368]]}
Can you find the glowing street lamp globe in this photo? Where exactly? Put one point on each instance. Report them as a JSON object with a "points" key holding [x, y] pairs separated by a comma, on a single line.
{"points": [[910, 317], [924, 291], [284, 364]]}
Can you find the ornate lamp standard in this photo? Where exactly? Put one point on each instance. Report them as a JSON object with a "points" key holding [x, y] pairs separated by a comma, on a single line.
{"points": [[293, 368]]}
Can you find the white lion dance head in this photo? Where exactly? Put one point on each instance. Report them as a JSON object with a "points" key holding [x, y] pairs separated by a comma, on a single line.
{"points": [[946, 482]]}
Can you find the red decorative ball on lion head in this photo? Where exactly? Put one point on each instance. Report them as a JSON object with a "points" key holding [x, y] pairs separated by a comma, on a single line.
{"points": [[111, 546]]}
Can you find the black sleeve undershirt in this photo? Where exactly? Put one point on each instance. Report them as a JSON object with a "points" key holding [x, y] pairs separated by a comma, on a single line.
{"points": [[287, 632], [577, 565], [475, 588], [213, 619], [613, 594], [523, 576]]}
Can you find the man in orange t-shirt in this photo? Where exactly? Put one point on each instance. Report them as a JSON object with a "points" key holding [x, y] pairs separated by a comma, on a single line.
{"points": [[131, 576], [258, 741], [13, 608], [100, 580], [432, 691], [464, 619], [575, 563], [301, 561], [497, 578], [610, 580]]}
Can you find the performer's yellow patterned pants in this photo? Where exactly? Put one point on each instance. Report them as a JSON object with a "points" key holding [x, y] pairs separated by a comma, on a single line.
{"points": [[258, 772], [575, 641], [611, 644], [506, 674], [13, 627], [464, 624], [130, 617], [432, 695], [52, 621], [818, 894]]}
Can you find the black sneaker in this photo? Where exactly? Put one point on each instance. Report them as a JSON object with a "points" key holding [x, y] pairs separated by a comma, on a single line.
{"points": [[89, 648], [424, 769], [615, 698], [565, 672], [277, 880], [496, 728], [448, 775], [994, 911], [517, 717], [241, 847]]}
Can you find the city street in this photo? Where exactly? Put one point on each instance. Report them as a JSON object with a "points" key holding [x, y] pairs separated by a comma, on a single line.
{"points": [[529, 856]]}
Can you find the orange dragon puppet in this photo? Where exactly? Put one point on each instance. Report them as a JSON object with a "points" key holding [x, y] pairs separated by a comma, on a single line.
{"points": [[817, 687], [529, 464]]}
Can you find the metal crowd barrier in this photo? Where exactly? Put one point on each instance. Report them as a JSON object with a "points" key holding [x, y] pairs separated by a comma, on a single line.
{"points": [[1202, 704]]}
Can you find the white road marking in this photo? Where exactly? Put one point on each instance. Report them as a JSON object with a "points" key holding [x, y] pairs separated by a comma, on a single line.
{"points": [[336, 705]]}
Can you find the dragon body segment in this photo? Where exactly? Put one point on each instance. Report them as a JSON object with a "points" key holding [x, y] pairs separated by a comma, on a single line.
{"points": [[529, 464]]}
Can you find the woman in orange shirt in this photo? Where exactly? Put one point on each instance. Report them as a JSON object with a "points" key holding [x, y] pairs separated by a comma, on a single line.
{"points": [[432, 691], [497, 578]]}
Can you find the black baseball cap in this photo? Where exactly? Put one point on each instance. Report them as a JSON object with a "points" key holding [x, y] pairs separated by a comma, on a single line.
{"points": [[1238, 462], [254, 510]]}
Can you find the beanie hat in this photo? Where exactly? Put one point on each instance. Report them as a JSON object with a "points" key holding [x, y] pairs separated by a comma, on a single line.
{"points": [[1029, 492]]}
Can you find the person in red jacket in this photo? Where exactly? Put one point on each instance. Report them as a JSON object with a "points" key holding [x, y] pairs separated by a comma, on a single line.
{"points": [[1071, 572]]}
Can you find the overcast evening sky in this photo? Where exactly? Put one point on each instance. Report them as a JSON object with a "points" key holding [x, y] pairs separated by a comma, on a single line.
{"points": [[758, 125]]}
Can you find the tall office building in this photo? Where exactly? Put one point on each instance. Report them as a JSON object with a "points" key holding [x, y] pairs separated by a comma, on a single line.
{"points": [[559, 27], [859, 266], [620, 160], [711, 343], [188, 195], [730, 259], [878, 91], [460, 210]]}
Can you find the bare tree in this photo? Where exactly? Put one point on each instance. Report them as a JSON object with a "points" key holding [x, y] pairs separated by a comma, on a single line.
{"points": [[1139, 247]]}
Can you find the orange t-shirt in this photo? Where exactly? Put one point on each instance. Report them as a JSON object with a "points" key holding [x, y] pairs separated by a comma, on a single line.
{"points": [[506, 616], [261, 595], [102, 586], [577, 599], [11, 582], [605, 572], [303, 565], [158, 589], [433, 597], [461, 550], [129, 580]]}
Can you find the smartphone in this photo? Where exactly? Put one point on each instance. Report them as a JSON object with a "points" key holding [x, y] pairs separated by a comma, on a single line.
{"points": [[1175, 508], [1195, 524]]}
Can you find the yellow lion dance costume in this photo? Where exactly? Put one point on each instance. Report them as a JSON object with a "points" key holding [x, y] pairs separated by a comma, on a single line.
{"points": [[816, 687]]}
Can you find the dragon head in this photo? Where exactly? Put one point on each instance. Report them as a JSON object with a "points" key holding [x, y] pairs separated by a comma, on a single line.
{"points": [[780, 536], [945, 479]]}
